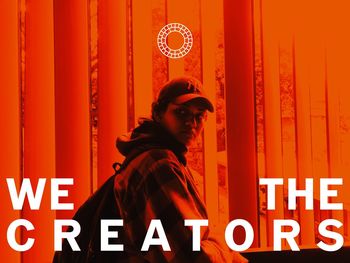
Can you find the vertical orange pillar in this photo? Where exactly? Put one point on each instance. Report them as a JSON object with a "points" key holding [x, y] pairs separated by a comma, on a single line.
{"points": [[73, 145], [142, 48], [39, 123], [260, 117], [273, 139], [337, 79], [210, 24], [10, 154], [175, 14], [302, 45], [188, 14], [338, 54], [240, 110], [112, 83]]}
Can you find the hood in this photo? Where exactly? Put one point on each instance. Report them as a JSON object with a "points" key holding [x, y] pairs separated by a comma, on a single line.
{"points": [[150, 135]]}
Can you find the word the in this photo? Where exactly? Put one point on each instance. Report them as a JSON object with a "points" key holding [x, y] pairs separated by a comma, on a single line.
{"points": [[308, 193]]}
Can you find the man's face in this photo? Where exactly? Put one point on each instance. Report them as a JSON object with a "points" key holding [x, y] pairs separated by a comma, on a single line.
{"points": [[184, 121]]}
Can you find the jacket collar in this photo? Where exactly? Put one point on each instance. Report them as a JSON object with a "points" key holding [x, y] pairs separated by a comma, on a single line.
{"points": [[151, 135]]}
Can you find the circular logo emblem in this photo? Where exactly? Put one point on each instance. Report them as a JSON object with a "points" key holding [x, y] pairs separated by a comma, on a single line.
{"points": [[163, 35]]}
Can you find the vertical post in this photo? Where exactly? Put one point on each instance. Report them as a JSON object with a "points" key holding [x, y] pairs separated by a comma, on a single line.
{"points": [[10, 155], [273, 139], [336, 79], [73, 145], [302, 45], [337, 71], [210, 22], [175, 14], [112, 83], [39, 123], [142, 47], [240, 112]]}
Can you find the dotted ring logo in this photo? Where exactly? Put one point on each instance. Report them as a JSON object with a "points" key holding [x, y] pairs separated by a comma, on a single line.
{"points": [[186, 46]]}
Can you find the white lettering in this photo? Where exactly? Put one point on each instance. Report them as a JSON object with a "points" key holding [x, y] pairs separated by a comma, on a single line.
{"points": [[11, 235], [289, 236], [155, 224], [249, 238], [70, 236], [56, 193], [106, 235], [339, 240], [26, 190], [196, 229]]}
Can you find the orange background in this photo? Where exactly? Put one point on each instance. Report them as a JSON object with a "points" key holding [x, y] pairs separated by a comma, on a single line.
{"points": [[76, 74]]}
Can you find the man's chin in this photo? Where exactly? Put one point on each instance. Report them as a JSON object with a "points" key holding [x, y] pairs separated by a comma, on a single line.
{"points": [[186, 140]]}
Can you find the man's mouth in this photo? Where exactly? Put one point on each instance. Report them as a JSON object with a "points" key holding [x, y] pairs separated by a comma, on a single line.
{"points": [[189, 134]]}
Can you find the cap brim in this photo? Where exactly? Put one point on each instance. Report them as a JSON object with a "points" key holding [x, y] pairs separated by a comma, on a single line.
{"points": [[197, 97]]}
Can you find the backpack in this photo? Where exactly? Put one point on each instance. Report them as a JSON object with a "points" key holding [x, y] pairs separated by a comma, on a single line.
{"points": [[101, 205]]}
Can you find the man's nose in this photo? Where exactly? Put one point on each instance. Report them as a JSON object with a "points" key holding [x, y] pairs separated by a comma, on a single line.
{"points": [[192, 122]]}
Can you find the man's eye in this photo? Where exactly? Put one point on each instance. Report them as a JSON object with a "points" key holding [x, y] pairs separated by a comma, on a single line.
{"points": [[182, 112], [201, 117]]}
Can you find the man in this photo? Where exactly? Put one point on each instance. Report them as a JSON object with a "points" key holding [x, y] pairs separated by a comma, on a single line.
{"points": [[157, 183], [153, 183]]}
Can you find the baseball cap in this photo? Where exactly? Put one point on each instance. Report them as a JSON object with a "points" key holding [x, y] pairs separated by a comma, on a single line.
{"points": [[181, 90]]}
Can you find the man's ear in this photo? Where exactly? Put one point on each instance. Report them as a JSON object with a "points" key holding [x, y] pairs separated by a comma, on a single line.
{"points": [[158, 116]]}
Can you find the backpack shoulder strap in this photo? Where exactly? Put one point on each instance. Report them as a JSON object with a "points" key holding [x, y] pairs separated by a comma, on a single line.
{"points": [[118, 167]]}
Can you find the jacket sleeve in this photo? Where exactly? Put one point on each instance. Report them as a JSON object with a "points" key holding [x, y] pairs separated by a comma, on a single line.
{"points": [[164, 194]]}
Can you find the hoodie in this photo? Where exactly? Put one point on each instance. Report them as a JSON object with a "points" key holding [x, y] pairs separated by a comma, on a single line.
{"points": [[156, 185], [150, 135]]}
